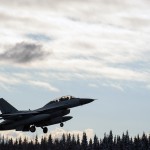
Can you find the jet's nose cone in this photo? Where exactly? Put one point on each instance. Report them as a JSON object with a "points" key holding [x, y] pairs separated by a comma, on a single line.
{"points": [[85, 100]]}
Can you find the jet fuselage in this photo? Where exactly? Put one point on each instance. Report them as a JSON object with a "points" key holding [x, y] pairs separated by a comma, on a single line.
{"points": [[52, 113]]}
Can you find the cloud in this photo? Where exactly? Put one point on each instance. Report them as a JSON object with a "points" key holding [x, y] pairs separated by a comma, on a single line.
{"points": [[97, 43], [18, 78], [14, 134], [23, 53], [113, 85], [58, 132], [44, 85], [93, 85], [8, 84]]}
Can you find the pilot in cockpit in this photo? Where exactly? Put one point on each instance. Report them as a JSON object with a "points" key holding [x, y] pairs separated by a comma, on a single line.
{"points": [[64, 98]]}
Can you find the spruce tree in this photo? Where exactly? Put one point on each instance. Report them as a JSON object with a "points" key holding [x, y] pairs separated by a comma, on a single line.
{"points": [[110, 141], [43, 143], [68, 142], [50, 143], [144, 142], [95, 143], [36, 144], [73, 142], [25, 144], [16, 144], [63, 143], [84, 143], [78, 146], [90, 144]]}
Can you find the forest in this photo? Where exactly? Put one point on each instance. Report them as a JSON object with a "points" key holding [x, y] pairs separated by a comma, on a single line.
{"points": [[72, 142]]}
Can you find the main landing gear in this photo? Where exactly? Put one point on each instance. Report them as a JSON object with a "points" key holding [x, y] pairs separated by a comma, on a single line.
{"points": [[45, 129], [32, 128], [61, 124]]}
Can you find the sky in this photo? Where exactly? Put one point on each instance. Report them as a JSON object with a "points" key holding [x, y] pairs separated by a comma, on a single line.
{"points": [[86, 48]]}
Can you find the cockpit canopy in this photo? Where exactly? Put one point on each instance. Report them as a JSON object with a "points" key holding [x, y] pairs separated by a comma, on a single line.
{"points": [[68, 97], [63, 98]]}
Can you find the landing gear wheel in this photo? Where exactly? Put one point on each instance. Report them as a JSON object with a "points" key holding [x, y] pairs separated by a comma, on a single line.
{"points": [[61, 124], [45, 130], [32, 129]]}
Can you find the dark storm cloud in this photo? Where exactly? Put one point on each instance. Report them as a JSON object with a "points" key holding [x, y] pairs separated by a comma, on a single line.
{"points": [[24, 53]]}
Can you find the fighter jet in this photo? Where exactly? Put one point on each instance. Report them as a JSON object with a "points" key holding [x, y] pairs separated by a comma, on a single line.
{"points": [[53, 112]]}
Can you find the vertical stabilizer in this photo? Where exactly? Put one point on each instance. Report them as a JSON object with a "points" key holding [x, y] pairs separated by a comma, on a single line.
{"points": [[6, 108]]}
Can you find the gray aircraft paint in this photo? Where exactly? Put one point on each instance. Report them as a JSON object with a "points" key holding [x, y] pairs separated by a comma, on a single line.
{"points": [[52, 113]]}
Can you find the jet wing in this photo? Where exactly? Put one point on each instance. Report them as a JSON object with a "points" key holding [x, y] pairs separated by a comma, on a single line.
{"points": [[30, 113], [17, 115]]}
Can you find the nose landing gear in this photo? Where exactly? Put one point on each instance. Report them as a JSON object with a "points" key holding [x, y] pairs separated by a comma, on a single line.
{"points": [[61, 124]]}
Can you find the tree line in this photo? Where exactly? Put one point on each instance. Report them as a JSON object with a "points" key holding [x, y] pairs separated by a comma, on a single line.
{"points": [[72, 142]]}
